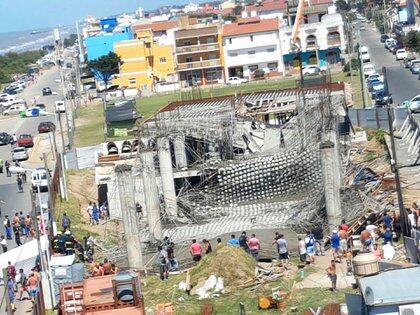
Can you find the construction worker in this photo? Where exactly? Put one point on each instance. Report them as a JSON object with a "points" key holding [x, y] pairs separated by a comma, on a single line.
{"points": [[69, 243], [56, 243]]}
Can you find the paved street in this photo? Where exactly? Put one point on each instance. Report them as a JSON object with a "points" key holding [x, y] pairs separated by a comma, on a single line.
{"points": [[14, 201], [402, 84]]}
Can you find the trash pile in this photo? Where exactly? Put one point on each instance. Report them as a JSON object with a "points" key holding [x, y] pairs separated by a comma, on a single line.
{"points": [[230, 263]]}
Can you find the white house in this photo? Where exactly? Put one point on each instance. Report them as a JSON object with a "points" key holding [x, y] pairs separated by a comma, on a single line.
{"points": [[252, 44]]}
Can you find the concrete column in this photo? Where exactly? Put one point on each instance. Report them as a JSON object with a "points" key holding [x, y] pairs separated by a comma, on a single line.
{"points": [[180, 153], [167, 177], [129, 217], [151, 194], [331, 184]]}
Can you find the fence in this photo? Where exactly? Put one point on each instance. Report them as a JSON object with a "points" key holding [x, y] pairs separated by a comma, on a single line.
{"points": [[377, 118], [411, 134]]}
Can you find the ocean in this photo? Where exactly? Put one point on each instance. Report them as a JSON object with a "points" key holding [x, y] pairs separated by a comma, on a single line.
{"points": [[24, 41]]}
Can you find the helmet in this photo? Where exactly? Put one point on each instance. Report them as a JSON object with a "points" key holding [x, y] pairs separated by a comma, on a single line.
{"points": [[59, 232], [68, 232]]}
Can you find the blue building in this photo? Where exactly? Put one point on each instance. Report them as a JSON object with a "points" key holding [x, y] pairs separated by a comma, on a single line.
{"points": [[103, 44], [108, 25]]}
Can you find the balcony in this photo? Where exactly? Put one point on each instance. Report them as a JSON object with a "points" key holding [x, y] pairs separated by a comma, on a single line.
{"points": [[196, 48], [198, 64]]}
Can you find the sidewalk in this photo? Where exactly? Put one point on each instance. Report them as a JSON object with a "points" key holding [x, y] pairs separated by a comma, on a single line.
{"points": [[319, 278]]}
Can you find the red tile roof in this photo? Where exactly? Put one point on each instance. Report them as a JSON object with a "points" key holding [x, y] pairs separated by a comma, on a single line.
{"points": [[250, 25], [156, 26]]}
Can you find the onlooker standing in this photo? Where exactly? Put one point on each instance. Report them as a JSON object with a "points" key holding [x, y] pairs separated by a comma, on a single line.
{"points": [[331, 271], [11, 293], [7, 227], [19, 183], [254, 246], [17, 236], [196, 250], [7, 166], [173, 263], [319, 240], [219, 243], [310, 247], [207, 247], [65, 222], [89, 211], [412, 218], [95, 214], [243, 241], [3, 244], [163, 263], [335, 245], [233, 240], [282, 250], [302, 250], [32, 285], [22, 284]]}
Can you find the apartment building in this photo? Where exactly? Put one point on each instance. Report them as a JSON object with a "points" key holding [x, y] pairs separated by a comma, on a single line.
{"points": [[148, 58], [197, 53], [321, 42], [252, 44]]}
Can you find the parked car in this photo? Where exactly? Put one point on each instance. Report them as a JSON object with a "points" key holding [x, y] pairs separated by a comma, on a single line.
{"points": [[415, 68], [376, 86], [46, 126], [368, 70], [25, 140], [14, 109], [230, 81], [414, 104], [5, 138], [311, 70], [408, 60], [20, 154], [389, 42], [400, 54], [46, 91], [383, 98], [396, 47], [364, 54], [39, 179], [383, 38], [373, 77]]}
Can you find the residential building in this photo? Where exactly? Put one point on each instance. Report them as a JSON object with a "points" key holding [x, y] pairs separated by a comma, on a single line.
{"points": [[148, 58], [197, 53], [228, 4], [320, 42], [252, 44]]}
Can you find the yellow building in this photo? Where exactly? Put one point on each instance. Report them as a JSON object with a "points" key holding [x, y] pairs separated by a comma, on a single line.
{"points": [[144, 60]]}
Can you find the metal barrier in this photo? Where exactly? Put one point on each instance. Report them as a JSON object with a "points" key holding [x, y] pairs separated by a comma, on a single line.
{"points": [[411, 134]]}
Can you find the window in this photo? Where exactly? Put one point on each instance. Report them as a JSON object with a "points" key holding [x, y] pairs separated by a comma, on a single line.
{"points": [[272, 66], [132, 81], [233, 54], [162, 60], [251, 38], [188, 59], [251, 53], [271, 50], [186, 43], [230, 40], [148, 45], [252, 68]]}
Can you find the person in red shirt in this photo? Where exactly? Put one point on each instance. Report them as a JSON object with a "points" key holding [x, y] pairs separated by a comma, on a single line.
{"points": [[343, 226], [254, 246], [196, 250]]}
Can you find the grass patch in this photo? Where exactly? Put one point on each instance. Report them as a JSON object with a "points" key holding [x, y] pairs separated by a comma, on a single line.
{"points": [[72, 208], [356, 85], [89, 125]]}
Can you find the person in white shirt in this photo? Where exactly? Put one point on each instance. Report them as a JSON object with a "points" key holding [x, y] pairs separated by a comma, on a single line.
{"points": [[89, 210], [388, 251], [371, 228], [302, 250], [412, 219]]}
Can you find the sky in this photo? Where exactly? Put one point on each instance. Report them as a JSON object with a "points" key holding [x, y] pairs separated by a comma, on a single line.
{"points": [[21, 15]]}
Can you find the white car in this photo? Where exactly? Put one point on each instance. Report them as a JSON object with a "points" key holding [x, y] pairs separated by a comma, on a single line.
{"points": [[236, 80], [368, 70], [14, 109], [20, 154], [401, 54], [375, 76], [39, 178], [365, 56], [311, 69], [389, 42], [414, 104]]}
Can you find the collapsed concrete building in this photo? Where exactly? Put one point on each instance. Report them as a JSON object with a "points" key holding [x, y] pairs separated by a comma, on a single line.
{"points": [[207, 167]]}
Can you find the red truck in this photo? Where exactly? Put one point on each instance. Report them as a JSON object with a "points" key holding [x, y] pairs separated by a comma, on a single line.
{"points": [[26, 141]]}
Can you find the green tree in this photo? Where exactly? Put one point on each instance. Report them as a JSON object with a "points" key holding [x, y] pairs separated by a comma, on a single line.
{"points": [[412, 41], [70, 41], [105, 67], [237, 10], [17, 63], [342, 5]]}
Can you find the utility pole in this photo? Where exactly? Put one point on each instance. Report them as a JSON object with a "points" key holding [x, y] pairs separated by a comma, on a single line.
{"points": [[129, 215], [405, 228], [361, 75]]}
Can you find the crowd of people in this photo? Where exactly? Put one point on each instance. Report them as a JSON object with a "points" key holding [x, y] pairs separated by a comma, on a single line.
{"points": [[97, 213], [20, 226]]}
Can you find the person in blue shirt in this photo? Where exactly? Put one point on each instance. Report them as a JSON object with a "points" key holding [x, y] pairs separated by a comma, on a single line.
{"points": [[335, 245], [387, 236], [233, 240], [387, 220]]}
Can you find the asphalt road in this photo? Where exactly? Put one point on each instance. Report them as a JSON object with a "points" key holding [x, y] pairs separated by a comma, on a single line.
{"points": [[402, 84], [13, 201]]}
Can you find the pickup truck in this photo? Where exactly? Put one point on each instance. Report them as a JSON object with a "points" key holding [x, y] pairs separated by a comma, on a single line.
{"points": [[26, 141]]}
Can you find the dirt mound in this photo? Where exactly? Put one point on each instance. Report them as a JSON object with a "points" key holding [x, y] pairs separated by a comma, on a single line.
{"points": [[231, 263]]}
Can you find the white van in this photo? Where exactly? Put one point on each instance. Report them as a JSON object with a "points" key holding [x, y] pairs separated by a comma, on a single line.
{"points": [[60, 107], [364, 54], [39, 178]]}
